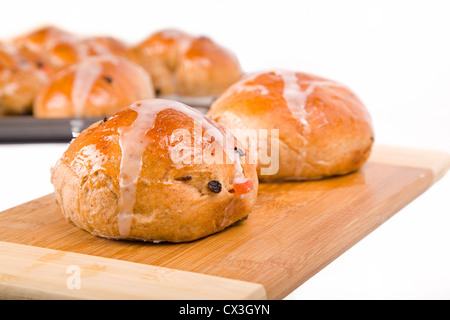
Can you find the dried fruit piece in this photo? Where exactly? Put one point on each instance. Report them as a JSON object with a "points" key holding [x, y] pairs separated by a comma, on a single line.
{"points": [[242, 186], [215, 186]]}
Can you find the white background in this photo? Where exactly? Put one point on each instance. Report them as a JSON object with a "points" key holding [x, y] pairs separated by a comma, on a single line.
{"points": [[395, 55]]}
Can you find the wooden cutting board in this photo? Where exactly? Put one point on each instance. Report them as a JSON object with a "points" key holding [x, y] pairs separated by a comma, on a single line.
{"points": [[294, 231]]}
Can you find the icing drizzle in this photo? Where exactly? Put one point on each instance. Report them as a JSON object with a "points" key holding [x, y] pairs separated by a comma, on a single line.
{"points": [[296, 97], [293, 94], [133, 143], [85, 76]]}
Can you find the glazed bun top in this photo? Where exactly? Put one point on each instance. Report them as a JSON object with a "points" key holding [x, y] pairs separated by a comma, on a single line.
{"points": [[20, 81], [102, 45], [140, 151], [38, 44], [324, 128], [94, 87], [52, 48], [186, 65], [65, 53], [39, 40]]}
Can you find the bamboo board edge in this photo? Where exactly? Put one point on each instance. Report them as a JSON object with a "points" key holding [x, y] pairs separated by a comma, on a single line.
{"points": [[435, 160], [29, 272]]}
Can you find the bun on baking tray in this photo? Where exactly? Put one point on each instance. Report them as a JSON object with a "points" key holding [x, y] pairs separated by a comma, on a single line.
{"points": [[186, 65], [321, 127], [53, 48], [20, 81], [134, 177], [37, 44], [183, 67], [94, 87]]}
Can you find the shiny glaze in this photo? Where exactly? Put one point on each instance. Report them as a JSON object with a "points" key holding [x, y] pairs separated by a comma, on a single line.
{"points": [[56, 48], [187, 65], [86, 74], [295, 89], [125, 162], [20, 80], [134, 142], [94, 87], [318, 119]]}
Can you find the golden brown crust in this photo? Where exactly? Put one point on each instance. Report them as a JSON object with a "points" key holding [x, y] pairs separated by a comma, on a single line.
{"points": [[49, 47], [52, 48], [182, 64], [172, 202], [94, 87], [324, 129], [37, 40], [20, 81]]}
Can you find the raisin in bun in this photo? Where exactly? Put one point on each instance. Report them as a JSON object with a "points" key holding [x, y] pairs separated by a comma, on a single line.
{"points": [[185, 65], [133, 177], [323, 128], [94, 87], [20, 81]]}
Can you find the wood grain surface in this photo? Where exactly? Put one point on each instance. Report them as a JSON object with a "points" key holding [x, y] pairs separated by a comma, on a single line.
{"points": [[295, 229], [28, 272]]}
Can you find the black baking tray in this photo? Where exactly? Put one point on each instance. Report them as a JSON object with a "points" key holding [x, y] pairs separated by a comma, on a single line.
{"points": [[28, 129]]}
